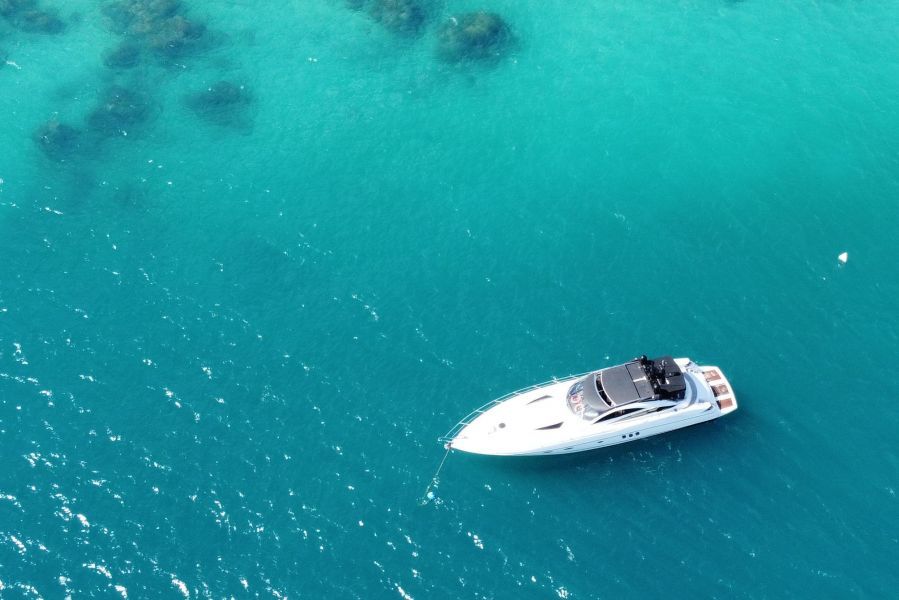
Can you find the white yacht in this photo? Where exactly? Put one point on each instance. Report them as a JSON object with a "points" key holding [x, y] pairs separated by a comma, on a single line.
{"points": [[602, 408]]}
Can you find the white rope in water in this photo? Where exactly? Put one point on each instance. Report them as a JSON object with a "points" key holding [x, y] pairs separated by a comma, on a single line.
{"points": [[435, 480]]}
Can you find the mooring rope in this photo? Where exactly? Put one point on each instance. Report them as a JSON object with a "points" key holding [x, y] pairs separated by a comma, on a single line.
{"points": [[435, 480]]}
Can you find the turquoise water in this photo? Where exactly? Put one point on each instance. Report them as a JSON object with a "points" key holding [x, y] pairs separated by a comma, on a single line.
{"points": [[227, 348]]}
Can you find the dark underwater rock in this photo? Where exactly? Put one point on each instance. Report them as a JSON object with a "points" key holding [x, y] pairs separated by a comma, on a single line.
{"points": [[125, 56], [119, 15], [120, 111], [39, 21], [9, 8], [223, 103], [25, 15], [473, 36], [158, 25], [405, 17], [139, 16], [176, 36], [58, 141]]}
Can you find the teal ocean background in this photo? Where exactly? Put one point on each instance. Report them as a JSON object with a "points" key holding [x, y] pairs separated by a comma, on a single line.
{"points": [[228, 344]]}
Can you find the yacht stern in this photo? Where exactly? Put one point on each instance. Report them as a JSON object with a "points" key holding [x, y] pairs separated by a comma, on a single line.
{"points": [[725, 397]]}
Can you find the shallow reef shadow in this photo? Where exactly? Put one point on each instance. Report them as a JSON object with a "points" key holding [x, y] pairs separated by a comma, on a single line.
{"points": [[476, 37], [224, 103], [161, 28], [27, 16], [405, 18], [126, 55], [120, 112], [58, 141]]}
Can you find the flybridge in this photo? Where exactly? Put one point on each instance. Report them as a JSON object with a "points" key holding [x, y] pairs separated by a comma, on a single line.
{"points": [[640, 379]]}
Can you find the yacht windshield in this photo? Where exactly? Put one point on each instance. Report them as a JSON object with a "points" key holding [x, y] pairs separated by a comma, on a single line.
{"points": [[578, 400]]}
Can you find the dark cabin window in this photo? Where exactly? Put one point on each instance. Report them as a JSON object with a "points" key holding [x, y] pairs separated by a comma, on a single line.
{"points": [[613, 414]]}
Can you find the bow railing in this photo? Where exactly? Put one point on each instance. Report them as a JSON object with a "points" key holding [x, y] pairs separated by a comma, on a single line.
{"points": [[452, 433]]}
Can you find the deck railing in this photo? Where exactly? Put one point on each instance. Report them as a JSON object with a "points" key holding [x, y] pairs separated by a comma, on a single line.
{"points": [[452, 433]]}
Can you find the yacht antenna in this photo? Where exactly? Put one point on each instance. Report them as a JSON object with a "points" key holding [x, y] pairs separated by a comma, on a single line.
{"points": [[435, 480]]}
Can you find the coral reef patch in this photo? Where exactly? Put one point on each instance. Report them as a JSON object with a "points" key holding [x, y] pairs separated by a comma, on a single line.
{"points": [[160, 26], [477, 36], [403, 17], [124, 56], [26, 15], [58, 141], [120, 111]]}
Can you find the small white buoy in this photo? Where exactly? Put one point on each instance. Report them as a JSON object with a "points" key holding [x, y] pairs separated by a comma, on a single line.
{"points": [[843, 257], [430, 495]]}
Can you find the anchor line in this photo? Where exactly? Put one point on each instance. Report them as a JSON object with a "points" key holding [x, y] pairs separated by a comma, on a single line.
{"points": [[435, 479]]}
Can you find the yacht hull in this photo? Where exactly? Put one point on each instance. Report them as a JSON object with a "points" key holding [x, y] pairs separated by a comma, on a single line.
{"points": [[538, 422]]}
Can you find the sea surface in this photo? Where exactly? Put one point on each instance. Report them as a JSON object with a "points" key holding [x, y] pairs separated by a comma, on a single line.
{"points": [[233, 324]]}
